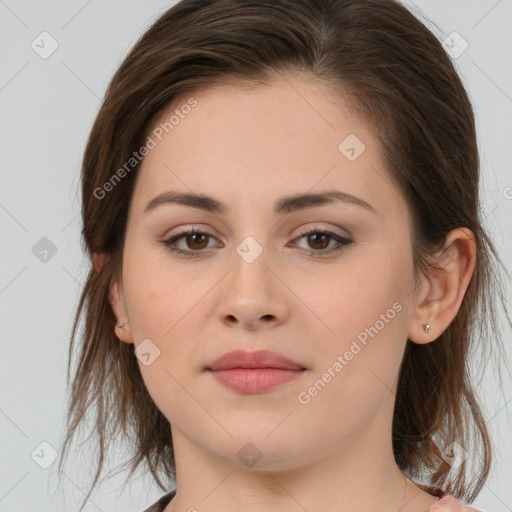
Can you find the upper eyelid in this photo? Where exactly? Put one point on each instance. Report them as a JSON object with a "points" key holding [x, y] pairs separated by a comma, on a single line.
{"points": [[303, 230], [307, 230]]}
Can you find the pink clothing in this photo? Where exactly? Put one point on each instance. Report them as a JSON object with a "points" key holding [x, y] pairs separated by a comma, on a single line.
{"points": [[448, 503]]}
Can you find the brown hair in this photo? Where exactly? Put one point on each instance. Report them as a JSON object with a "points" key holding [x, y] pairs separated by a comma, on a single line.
{"points": [[384, 63]]}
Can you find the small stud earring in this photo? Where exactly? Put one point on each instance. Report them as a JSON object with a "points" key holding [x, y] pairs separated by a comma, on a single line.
{"points": [[121, 325], [426, 328]]}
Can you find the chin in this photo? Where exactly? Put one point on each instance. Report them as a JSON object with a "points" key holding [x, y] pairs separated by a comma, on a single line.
{"points": [[256, 449]]}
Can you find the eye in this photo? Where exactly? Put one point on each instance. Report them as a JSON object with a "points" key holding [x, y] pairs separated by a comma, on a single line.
{"points": [[320, 239], [196, 241]]}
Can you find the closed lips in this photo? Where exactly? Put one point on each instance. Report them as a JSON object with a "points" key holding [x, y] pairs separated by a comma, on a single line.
{"points": [[253, 360]]}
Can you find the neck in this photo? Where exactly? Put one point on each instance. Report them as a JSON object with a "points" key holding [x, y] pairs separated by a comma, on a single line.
{"points": [[359, 477]]}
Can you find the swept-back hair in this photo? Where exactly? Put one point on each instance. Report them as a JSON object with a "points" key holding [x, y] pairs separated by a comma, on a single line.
{"points": [[391, 69]]}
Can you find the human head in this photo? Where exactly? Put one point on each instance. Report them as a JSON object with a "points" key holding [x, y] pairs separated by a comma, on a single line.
{"points": [[389, 70]]}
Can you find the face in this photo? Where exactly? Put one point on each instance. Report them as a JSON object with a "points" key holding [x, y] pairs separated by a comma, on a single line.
{"points": [[325, 283]]}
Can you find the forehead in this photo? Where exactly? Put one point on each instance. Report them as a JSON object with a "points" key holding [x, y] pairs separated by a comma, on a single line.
{"points": [[290, 135]]}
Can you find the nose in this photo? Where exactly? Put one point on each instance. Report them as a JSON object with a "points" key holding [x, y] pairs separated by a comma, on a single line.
{"points": [[253, 295]]}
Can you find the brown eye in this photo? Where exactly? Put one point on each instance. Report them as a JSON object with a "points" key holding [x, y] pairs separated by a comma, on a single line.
{"points": [[196, 241], [319, 240], [192, 243]]}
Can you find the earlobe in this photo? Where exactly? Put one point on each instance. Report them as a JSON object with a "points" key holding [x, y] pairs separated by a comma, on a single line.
{"points": [[124, 332], [122, 328], [445, 287], [423, 329]]}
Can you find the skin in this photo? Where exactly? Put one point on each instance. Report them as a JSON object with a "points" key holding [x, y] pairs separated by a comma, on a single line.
{"points": [[247, 148]]}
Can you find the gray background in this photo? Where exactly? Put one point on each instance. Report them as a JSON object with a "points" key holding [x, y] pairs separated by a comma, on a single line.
{"points": [[48, 106]]}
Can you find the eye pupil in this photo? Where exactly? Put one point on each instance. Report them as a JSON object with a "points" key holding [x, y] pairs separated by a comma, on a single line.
{"points": [[322, 235], [192, 236]]}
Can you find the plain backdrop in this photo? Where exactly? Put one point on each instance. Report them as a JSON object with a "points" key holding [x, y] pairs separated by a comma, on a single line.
{"points": [[47, 109]]}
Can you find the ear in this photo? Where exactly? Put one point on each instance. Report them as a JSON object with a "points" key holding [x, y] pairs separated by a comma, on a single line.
{"points": [[98, 261], [118, 302], [441, 293]]}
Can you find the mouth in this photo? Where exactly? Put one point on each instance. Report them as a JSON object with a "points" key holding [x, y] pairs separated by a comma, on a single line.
{"points": [[254, 380], [254, 372]]}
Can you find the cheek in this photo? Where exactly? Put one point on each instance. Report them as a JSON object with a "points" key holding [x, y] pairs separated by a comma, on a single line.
{"points": [[348, 297], [357, 311], [171, 306], [163, 304], [160, 293], [357, 363]]}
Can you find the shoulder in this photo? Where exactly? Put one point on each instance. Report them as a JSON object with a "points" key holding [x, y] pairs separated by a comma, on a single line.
{"points": [[448, 503], [160, 505]]}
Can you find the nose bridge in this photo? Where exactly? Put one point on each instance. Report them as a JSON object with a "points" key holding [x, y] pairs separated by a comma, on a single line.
{"points": [[252, 293], [251, 277]]}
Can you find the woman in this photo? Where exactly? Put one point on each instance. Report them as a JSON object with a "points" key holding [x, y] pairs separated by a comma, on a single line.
{"points": [[280, 204]]}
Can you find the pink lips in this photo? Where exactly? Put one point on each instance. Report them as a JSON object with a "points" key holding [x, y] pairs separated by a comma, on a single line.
{"points": [[254, 372]]}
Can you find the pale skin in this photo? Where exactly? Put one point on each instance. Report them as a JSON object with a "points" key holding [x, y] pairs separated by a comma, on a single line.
{"points": [[248, 149]]}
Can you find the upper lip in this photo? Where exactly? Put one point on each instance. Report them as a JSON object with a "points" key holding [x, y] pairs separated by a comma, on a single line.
{"points": [[257, 359]]}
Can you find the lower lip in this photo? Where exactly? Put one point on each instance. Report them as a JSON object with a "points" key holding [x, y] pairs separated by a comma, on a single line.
{"points": [[254, 380]]}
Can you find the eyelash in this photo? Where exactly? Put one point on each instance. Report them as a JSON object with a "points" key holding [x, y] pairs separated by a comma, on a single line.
{"points": [[343, 242]]}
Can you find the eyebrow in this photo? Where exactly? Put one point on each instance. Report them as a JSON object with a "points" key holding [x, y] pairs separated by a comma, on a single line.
{"points": [[287, 204]]}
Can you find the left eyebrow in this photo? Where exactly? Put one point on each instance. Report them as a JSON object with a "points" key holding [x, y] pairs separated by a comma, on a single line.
{"points": [[285, 204]]}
